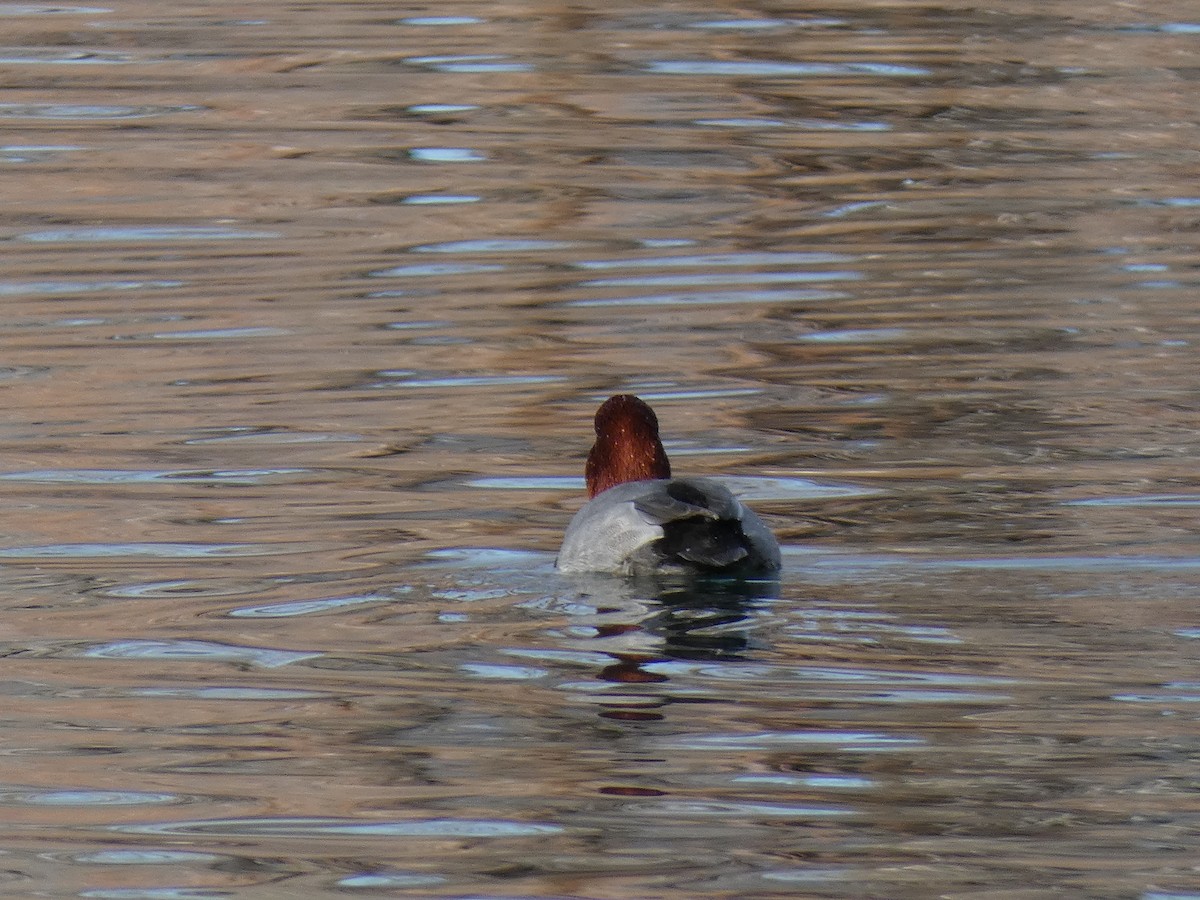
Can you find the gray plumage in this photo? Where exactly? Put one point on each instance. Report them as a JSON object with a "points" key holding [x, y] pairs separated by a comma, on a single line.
{"points": [[664, 525]]}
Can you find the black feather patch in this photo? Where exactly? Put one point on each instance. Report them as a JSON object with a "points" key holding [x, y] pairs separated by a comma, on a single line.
{"points": [[704, 542], [687, 493]]}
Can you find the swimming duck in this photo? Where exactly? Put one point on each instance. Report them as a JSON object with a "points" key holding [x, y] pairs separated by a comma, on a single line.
{"points": [[639, 520]]}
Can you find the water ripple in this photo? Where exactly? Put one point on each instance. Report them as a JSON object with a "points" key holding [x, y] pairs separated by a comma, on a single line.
{"points": [[147, 550], [712, 298], [307, 607], [769, 740], [795, 124], [495, 245], [765, 24], [440, 199], [83, 798], [435, 109], [490, 558], [40, 9], [715, 260], [414, 380], [569, 657], [748, 487], [781, 69], [63, 57], [143, 233], [692, 393], [253, 434], [65, 288], [855, 336], [1069, 563], [711, 279], [135, 476], [503, 673], [527, 483], [153, 893], [440, 20], [446, 154], [436, 270], [149, 857], [467, 63], [830, 782], [181, 588], [318, 827], [389, 880], [9, 373], [208, 334], [233, 693], [1142, 500], [85, 112], [732, 809], [22, 153], [858, 565], [196, 650]]}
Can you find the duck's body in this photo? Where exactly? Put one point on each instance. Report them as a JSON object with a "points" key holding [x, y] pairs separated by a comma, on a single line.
{"points": [[666, 525], [640, 520]]}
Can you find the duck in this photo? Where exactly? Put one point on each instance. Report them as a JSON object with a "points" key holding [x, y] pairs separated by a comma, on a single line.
{"points": [[639, 520]]}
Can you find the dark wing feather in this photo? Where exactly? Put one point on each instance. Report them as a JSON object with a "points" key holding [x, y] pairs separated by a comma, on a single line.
{"points": [[700, 522]]}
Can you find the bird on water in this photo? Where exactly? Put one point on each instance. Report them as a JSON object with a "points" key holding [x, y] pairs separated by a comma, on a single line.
{"points": [[639, 520]]}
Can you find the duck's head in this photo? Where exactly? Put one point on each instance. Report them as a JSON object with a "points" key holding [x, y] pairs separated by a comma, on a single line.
{"points": [[627, 447]]}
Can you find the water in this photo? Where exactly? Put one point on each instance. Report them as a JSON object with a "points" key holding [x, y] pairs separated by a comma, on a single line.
{"points": [[306, 317]]}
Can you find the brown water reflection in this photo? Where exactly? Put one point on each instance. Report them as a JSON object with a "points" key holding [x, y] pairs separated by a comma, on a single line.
{"points": [[307, 315]]}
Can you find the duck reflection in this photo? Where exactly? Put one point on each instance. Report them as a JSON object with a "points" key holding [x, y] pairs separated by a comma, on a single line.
{"points": [[651, 620]]}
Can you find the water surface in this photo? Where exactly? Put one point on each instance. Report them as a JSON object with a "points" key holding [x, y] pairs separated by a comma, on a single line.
{"points": [[307, 314]]}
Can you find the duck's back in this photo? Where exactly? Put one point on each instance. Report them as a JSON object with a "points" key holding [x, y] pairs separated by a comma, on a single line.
{"points": [[679, 524]]}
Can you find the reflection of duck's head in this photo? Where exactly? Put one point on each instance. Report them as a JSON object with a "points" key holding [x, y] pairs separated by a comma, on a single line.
{"points": [[640, 520]]}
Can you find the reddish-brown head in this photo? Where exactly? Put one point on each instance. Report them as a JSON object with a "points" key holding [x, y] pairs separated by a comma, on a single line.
{"points": [[627, 447]]}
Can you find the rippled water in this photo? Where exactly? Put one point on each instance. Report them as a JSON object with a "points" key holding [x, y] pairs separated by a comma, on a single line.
{"points": [[308, 308]]}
